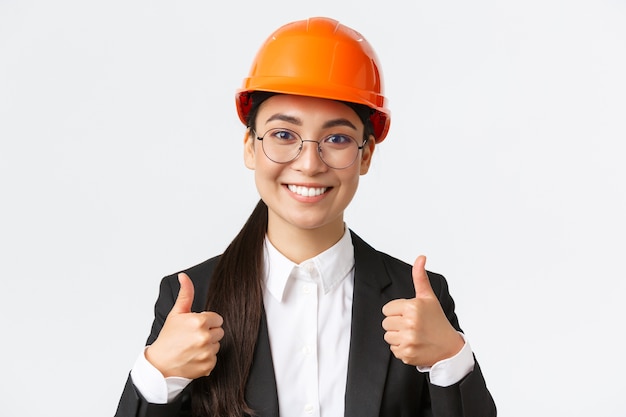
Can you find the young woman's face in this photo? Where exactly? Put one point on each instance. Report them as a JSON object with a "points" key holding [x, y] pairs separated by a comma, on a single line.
{"points": [[305, 193]]}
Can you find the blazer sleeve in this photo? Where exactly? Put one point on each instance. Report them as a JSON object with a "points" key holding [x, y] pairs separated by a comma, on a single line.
{"points": [[470, 396], [132, 403]]}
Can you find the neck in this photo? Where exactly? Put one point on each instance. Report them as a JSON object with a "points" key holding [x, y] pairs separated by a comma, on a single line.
{"points": [[298, 245]]}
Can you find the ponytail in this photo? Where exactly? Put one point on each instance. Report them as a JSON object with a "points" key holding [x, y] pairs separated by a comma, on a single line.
{"points": [[236, 293]]}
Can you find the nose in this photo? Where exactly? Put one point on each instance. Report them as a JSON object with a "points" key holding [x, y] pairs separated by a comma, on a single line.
{"points": [[309, 161]]}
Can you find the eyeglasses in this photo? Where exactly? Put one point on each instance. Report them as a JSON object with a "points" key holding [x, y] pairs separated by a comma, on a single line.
{"points": [[338, 151]]}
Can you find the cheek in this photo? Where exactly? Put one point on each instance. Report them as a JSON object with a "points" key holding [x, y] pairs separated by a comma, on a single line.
{"points": [[351, 182], [265, 170]]}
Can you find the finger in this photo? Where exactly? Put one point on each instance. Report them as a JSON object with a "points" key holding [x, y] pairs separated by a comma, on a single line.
{"points": [[393, 323], [420, 278], [209, 320], [214, 320], [217, 335], [394, 307], [392, 338], [185, 295]]}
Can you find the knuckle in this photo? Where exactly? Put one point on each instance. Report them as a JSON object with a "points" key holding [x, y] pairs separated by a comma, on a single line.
{"points": [[202, 338]]}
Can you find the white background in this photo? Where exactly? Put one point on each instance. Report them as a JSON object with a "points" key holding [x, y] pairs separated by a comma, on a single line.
{"points": [[120, 162]]}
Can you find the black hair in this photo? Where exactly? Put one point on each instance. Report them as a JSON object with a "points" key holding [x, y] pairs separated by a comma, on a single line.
{"points": [[364, 112]]}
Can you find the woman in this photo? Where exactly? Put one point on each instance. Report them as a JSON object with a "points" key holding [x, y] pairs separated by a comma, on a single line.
{"points": [[299, 316]]}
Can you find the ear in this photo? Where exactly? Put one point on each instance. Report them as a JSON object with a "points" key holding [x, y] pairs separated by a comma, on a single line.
{"points": [[367, 152], [248, 149]]}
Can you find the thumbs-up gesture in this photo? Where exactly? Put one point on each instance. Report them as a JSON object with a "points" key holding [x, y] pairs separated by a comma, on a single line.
{"points": [[188, 343], [417, 330]]}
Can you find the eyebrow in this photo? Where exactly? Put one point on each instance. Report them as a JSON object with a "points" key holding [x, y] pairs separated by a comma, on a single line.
{"points": [[296, 121]]}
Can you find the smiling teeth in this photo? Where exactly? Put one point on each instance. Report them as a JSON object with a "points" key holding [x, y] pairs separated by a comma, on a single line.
{"points": [[306, 191]]}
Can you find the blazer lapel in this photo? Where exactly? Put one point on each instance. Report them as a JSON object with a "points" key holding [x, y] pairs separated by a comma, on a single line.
{"points": [[261, 393], [369, 353]]}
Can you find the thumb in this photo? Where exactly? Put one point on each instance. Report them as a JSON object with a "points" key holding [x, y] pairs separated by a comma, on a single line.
{"points": [[185, 295], [420, 278]]}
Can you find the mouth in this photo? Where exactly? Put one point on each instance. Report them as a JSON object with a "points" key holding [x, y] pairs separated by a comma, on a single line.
{"points": [[307, 191]]}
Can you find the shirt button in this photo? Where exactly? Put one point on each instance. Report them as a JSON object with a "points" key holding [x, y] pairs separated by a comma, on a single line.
{"points": [[306, 350], [308, 409], [306, 289]]}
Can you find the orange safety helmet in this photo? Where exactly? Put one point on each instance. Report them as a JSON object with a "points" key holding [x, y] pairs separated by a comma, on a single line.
{"points": [[318, 57]]}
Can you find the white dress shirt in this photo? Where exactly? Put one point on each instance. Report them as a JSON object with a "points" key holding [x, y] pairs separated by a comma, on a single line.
{"points": [[309, 314]]}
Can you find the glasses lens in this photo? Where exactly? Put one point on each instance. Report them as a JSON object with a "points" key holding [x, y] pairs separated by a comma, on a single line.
{"points": [[339, 151], [281, 145]]}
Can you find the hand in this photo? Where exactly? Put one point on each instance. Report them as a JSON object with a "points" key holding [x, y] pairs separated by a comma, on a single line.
{"points": [[188, 343], [417, 330]]}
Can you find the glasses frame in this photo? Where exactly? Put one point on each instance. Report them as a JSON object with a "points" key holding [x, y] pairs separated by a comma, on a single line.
{"points": [[319, 146]]}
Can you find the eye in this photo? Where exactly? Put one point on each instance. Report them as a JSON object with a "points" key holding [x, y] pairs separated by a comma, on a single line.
{"points": [[339, 141], [283, 135]]}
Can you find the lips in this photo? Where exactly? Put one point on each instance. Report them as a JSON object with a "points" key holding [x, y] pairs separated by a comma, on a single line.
{"points": [[307, 191]]}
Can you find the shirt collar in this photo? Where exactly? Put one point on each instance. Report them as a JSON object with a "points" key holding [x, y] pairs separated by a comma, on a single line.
{"points": [[333, 266]]}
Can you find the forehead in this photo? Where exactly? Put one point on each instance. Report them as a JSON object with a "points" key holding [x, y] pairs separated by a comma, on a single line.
{"points": [[307, 110]]}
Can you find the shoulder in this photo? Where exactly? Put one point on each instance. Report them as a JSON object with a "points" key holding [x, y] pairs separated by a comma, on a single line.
{"points": [[199, 274], [397, 271]]}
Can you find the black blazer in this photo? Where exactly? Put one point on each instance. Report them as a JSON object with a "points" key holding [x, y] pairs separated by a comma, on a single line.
{"points": [[378, 384]]}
